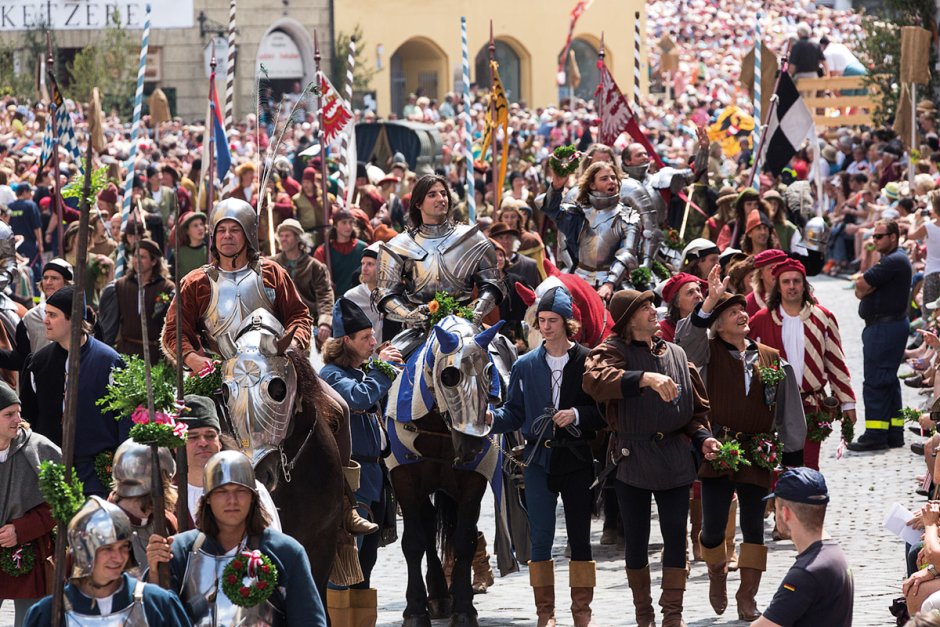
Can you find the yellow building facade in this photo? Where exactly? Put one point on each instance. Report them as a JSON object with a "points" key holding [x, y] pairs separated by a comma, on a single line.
{"points": [[415, 46]]}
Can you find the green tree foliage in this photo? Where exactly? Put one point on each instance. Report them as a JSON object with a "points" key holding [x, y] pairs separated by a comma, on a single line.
{"points": [[19, 63], [110, 64], [362, 72], [880, 49]]}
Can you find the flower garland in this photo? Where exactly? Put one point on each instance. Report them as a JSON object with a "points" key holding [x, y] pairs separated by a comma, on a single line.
{"points": [[64, 499], [772, 374], [206, 382], [104, 465], [249, 579], [730, 457], [162, 431], [818, 426], [445, 305], [18, 561], [764, 451], [382, 366], [848, 429], [673, 240], [565, 160]]}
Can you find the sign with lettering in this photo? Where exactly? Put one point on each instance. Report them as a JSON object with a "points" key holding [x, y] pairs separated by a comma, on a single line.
{"points": [[279, 56], [93, 14]]}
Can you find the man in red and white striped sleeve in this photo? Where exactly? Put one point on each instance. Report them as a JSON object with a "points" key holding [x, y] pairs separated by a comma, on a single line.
{"points": [[807, 335]]}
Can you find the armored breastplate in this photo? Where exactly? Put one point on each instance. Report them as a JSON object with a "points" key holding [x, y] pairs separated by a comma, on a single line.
{"points": [[444, 259], [234, 296], [207, 604], [600, 238], [131, 616]]}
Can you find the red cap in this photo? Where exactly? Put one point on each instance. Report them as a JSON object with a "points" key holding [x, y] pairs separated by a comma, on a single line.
{"points": [[309, 175], [769, 258], [672, 286], [790, 265]]}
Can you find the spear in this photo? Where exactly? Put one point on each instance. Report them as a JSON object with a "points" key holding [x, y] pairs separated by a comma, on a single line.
{"points": [[327, 208], [53, 111], [182, 462], [71, 388], [156, 476]]}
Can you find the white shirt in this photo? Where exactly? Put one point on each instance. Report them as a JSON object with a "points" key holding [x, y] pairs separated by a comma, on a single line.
{"points": [[839, 57], [4, 454], [157, 195], [194, 493], [792, 332], [557, 366]]}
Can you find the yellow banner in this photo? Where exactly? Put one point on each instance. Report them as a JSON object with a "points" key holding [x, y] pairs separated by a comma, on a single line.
{"points": [[730, 128], [498, 115]]}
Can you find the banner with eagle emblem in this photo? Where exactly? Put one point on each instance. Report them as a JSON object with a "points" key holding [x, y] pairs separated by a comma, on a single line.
{"points": [[337, 113]]}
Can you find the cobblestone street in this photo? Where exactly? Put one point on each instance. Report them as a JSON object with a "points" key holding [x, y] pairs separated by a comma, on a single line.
{"points": [[862, 486]]}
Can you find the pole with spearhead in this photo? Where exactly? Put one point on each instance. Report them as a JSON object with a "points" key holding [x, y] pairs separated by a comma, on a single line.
{"points": [[327, 208], [71, 387]]}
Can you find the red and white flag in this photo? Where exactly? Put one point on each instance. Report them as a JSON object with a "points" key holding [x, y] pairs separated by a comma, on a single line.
{"points": [[337, 113], [616, 115]]}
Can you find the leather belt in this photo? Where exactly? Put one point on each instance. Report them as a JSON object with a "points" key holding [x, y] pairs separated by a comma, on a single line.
{"points": [[584, 266], [885, 318], [563, 443]]}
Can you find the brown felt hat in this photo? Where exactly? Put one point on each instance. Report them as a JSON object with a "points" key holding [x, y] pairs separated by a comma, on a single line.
{"points": [[625, 303], [501, 228], [727, 300]]}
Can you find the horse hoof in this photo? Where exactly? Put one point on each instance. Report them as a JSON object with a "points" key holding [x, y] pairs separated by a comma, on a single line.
{"points": [[464, 619], [440, 608], [422, 620]]}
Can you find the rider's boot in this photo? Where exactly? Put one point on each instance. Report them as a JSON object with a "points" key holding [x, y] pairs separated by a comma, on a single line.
{"points": [[482, 572], [354, 523]]}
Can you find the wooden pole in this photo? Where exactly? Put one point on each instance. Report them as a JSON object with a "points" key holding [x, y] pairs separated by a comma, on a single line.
{"points": [[56, 193], [497, 192], [71, 388], [182, 461], [156, 476], [209, 174], [327, 207], [763, 131]]}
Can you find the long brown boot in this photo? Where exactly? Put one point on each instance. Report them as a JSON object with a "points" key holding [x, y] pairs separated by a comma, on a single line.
{"points": [[729, 537], [695, 517], [338, 607], [582, 577], [542, 580], [482, 573], [639, 580], [671, 598], [364, 606], [752, 564], [354, 523], [717, 561]]}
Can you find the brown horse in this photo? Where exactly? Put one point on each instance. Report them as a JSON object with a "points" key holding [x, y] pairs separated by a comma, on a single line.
{"points": [[282, 415]]}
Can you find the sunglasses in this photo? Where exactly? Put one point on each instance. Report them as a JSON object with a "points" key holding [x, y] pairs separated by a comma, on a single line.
{"points": [[878, 236]]}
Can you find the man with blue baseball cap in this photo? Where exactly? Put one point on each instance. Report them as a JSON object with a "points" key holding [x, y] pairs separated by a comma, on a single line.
{"points": [[818, 589]]}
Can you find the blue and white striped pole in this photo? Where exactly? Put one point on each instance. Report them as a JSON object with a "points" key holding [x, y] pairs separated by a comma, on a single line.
{"points": [[135, 129], [758, 76], [467, 128]]}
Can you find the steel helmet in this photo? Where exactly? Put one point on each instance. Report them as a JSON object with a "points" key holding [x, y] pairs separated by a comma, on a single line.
{"points": [[97, 524], [241, 212], [228, 467], [132, 468]]}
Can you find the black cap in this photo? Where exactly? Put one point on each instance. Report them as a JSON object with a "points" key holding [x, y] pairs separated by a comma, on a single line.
{"points": [[62, 300], [200, 412], [801, 485], [152, 170], [61, 266], [7, 396], [348, 318]]}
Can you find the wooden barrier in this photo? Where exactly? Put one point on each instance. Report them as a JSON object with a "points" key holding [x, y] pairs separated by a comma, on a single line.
{"points": [[835, 106]]}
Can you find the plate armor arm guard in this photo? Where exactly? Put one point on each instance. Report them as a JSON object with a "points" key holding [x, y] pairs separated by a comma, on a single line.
{"points": [[489, 280], [389, 291], [625, 260]]}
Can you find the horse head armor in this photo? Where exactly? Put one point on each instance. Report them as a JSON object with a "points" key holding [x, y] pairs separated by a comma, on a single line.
{"points": [[259, 385]]}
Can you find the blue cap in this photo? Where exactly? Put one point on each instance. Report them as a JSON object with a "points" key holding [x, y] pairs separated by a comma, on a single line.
{"points": [[801, 485], [19, 188], [557, 300], [348, 318]]}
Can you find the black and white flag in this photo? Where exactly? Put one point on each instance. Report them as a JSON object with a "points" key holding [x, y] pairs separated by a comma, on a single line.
{"points": [[788, 127]]}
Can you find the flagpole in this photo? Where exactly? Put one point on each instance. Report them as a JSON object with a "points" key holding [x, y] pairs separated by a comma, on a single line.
{"points": [[467, 124], [763, 131], [210, 173], [327, 207], [637, 42], [56, 182], [230, 71], [758, 73], [69, 414], [346, 186], [497, 192]]}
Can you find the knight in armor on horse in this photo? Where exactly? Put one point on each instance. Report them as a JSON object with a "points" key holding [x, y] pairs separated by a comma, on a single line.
{"points": [[220, 296], [230, 524], [131, 472], [434, 255], [101, 593]]}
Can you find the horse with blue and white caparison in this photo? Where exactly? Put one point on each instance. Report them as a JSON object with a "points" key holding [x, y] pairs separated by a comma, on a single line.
{"points": [[439, 446]]}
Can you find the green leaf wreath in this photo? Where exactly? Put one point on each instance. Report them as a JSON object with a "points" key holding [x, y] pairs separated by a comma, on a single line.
{"points": [[163, 430], [384, 367], [730, 457], [673, 240], [565, 160], [773, 374], [445, 305], [104, 465], [818, 426], [128, 389], [848, 429], [764, 451], [64, 499], [18, 561], [661, 271], [207, 385], [249, 579], [641, 277]]}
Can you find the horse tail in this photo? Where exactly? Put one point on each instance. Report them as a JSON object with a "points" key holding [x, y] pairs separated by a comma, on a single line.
{"points": [[445, 509]]}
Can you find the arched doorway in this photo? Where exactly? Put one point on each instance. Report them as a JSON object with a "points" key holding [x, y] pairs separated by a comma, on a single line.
{"points": [[284, 60], [585, 55], [419, 67], [510, 69]]}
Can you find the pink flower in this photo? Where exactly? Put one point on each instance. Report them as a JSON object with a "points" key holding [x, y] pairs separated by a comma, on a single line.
{"points": [[162, 419], [180, 430], [140, 416]]}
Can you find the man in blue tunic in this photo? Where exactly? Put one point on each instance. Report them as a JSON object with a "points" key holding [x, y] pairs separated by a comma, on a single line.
{"points": [[363, 384], [232, 524], [100, 591]]}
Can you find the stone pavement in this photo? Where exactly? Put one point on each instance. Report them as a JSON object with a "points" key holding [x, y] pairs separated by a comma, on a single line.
{"points": [[862, 487]]}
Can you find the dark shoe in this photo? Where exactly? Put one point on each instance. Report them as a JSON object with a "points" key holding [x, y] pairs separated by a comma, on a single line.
{"points": [[915, 429], [896, 443], [917, 382], [865, 446], [917, 448]]}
